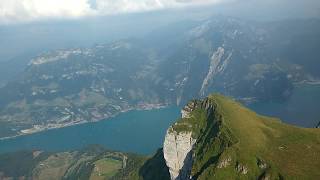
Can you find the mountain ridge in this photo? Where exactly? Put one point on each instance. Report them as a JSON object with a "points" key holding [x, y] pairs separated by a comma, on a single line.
{"points": [[243, 59], [215, 138], [230, 141]]}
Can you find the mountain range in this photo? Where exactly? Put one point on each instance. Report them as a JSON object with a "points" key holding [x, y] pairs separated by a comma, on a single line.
{"points": [[250, 61]]}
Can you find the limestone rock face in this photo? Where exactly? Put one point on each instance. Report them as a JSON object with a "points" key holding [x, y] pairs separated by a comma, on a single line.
{"points": [[177, 150], [178, 146], [185, 112], [219, 61], [205, 104]]}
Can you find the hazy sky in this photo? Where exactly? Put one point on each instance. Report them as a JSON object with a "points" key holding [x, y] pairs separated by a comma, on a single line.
{"points": [[13, 11], [26, 10]]}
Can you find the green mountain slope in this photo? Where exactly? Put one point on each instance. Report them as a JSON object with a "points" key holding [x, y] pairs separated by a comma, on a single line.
{"points": [[216, 138], [233, 142]]}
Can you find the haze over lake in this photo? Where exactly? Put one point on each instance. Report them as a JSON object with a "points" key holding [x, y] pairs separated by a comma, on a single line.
{"points": [[301, 109]]}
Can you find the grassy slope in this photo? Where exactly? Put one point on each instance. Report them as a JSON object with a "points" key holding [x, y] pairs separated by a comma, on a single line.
{"points": [[231, 134], [144, 168], [105, 168], [54, 166], [247, 139], [19, 164]]}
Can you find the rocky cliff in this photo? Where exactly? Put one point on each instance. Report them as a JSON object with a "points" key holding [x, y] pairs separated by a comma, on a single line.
{"points": [[219, 61], [178, 145], [217, 138], [178, 153]]}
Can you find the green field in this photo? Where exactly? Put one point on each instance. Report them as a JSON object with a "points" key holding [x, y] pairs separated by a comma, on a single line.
{"points": [[105, 168]]}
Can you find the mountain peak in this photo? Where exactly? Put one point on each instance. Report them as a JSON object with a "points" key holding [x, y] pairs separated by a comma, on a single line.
{"points": [[219, 137]]}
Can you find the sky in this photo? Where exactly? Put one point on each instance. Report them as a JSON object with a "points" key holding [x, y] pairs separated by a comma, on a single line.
{"points": [[15, 11], [29, 10]]}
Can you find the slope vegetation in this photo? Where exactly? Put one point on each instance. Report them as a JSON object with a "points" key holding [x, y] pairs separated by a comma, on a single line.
{"points": [[234, 142]]}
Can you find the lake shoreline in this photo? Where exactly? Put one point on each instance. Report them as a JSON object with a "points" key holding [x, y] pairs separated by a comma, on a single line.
{"points": [[138, 131], [38, 129]]}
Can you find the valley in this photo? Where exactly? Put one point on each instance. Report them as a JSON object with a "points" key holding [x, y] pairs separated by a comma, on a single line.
{"points": [[235, 57], [116, 131], [159, 90]]}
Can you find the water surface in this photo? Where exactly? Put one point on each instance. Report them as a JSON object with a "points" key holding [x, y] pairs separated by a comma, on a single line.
{"points": [[301, 109], [134, 131]]}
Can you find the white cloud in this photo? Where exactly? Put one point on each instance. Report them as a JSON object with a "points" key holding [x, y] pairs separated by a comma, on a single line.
{"points": [[25, 10], [123, 6], [28, 10], [14, 11]]}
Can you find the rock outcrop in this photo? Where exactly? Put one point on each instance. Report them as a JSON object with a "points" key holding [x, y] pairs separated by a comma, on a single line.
{"points": [[178, 146], [177, 150], [224, 163], [242, 169], [219, 61], [185, 112]]}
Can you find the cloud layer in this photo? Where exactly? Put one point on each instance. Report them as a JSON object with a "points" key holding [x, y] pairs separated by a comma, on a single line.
{"points": [[24, 10], [15, 11], [28, 10]]}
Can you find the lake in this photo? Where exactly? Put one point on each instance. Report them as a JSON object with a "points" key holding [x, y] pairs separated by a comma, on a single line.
{"points": [[134, 131], [143, 131], [301, 109]]}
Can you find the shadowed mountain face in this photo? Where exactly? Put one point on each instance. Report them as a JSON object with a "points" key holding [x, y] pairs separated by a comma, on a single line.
{"points": [[216, 138], [247, 60]]}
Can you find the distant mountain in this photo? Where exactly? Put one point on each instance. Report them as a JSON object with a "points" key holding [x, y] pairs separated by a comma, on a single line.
{"points": [[9, 70], [74, 86], [250, 61], [216, 138]]}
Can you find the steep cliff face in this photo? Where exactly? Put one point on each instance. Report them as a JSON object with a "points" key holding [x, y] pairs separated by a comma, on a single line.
{"points": [[179, 143], [177, 149], [217, 138]]}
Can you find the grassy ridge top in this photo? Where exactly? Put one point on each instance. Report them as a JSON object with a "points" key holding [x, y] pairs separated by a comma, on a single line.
{"points": [[283, 151]]}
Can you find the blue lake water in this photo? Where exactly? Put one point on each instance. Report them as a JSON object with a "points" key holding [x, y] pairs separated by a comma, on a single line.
{"points": [[143, 131], [134, 131], [301, 109]]}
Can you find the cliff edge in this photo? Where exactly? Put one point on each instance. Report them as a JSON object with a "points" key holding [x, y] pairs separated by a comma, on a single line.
{"points": [[218, 138]]}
